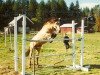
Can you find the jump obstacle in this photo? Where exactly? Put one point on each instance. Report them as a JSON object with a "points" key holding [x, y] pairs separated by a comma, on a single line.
{"points": [[7, 30], [73, 67]]}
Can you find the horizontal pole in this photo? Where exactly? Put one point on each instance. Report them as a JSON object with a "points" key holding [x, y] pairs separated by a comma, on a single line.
{"points": [[29, 20], [77, 39], [52, 55], [46, 40], [68, 55]]}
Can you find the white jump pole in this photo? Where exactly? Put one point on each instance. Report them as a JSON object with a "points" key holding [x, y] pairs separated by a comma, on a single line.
{"points": [[80, 66], [84, 68], [23, 44], [73, 43], [82, 43], [15, 45]]}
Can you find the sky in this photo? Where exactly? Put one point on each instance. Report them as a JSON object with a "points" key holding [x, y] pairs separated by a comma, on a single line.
{"points": [[83, 3]]}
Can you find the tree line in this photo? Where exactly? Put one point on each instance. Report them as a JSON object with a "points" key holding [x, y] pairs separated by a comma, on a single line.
{"points": [[39, 12]]}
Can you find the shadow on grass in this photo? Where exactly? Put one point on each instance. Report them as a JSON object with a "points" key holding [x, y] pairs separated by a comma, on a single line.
{"points": [[53, 70], [53, 67], [94, 66]]}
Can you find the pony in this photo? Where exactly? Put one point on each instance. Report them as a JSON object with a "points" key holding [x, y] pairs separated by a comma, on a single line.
{"points": [[49, 31]]}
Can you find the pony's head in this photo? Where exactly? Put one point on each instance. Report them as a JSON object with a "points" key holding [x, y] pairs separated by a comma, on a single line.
{"points": [[53, 26]]}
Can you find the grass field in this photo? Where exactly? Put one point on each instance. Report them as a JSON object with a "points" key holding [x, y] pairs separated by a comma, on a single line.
{"points": [[53, 65]]}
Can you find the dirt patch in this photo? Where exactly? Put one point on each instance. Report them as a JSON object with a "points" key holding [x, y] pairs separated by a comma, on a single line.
{"points": [[6, 70]]}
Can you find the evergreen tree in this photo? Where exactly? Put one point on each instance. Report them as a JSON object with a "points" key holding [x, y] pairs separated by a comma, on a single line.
{"points": [[86, 11], [96, 10], [1, 6], [91, 11], [24, 6], [48, 9], [77, 12], [40, 12], [71, 11], [1, 14], [53, 8], [62, 9], [32, 8], [8, 7], [1, 1], [6, 13], [15, 7]]}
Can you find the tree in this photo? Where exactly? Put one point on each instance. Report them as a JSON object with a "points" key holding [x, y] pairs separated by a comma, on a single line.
{"points": [[1, 6], [32, 8], [15, 7], [1, 11], [96, 10], [1, 1], [40, 12], [24, 6], [71, 11], [53, 8], [77, 12], [86, 11], [62, 9], [5, 13], [8, 7], [48, 9]]}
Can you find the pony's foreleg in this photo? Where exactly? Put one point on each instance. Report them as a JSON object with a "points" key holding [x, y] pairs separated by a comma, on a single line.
{"points": [[30, 59], [37, 59]]}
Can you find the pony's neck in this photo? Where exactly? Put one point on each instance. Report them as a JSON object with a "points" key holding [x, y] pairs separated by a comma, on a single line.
{"points": [[47, 28]]}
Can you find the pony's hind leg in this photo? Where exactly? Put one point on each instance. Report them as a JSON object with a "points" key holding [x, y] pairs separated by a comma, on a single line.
{"points": [[27, 52], [30, 58], [37, 58]]}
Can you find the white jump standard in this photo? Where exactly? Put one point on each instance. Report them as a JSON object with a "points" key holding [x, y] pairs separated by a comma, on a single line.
{"points": [[23, 43], [80, 66]]}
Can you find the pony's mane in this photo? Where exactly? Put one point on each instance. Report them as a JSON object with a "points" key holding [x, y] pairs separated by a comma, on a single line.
{"points": [[51, 20]]}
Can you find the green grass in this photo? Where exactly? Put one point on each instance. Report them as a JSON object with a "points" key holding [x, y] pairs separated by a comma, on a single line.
{"points": [[57, 63]]}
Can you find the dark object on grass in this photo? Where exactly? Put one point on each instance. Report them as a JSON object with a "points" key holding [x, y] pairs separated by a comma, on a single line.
{"points": [[66, 41]]}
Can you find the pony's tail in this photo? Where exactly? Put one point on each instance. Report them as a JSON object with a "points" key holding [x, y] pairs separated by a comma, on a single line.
{"points": [[27, 52]]}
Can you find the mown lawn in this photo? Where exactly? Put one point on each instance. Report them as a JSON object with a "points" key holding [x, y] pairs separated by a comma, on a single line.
{"points": [[53, 65]]}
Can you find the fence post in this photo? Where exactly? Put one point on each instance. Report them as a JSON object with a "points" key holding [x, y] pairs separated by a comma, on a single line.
{"points": [[15, 44], [82, 43], [73, 43], [23, 44]]}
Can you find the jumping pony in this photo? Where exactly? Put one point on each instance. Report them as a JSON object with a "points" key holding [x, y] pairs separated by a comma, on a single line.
{"points": [[49, 31]]}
